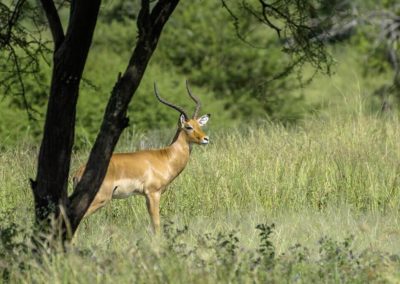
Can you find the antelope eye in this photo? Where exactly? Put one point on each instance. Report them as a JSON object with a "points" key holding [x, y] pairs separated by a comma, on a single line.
{"points": [[188, 127]]}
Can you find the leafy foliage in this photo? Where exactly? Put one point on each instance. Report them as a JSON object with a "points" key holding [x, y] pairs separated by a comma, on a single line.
{"points": [[213, 56], [22, 46]]}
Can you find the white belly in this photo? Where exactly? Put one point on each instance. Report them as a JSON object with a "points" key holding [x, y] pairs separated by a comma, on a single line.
{"points": [[124, 188]]}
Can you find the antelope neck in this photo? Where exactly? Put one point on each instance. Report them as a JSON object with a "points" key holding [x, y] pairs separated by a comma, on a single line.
{"points": [[179, 150], [181, 139]]}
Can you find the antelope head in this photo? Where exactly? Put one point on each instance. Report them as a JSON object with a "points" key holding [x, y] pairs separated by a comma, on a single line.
{"points": [[192, 127]]}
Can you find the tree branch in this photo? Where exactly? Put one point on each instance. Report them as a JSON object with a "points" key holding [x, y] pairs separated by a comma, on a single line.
{"points": [[54, 22], [21, 46], [160, 14], [266, 19], [235, 21], [143, 21]]}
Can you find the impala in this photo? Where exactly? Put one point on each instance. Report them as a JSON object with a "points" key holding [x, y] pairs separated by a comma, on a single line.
{"points": [[149, 172]]}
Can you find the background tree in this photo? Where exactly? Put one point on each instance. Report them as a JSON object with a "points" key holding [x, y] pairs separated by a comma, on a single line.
{"points": [[372, 28]]}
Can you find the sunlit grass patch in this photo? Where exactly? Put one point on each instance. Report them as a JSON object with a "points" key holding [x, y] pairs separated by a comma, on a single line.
{"points": [[329, 186]]}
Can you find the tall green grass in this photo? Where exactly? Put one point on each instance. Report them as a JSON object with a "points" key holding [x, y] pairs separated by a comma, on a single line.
{"points": [[330, 186]]}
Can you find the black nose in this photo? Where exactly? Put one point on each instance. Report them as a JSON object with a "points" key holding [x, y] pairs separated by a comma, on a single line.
{"points": [[205, 138]]}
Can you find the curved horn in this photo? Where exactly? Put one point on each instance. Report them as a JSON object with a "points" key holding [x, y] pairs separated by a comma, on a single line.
{"points": [[169, 104], [195, 99]]}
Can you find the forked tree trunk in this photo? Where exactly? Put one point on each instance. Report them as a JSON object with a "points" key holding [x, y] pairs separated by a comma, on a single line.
{"points": [[50, 187]]}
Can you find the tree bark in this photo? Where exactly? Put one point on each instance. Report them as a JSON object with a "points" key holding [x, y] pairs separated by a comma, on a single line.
{"points": [[50, 188]]}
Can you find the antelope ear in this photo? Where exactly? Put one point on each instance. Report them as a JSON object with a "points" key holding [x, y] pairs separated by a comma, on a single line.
{"points": [[203, 120], [182, 119]]}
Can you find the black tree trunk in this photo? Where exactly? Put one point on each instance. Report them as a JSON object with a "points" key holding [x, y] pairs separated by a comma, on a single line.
{"points": [[50, 188]]}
